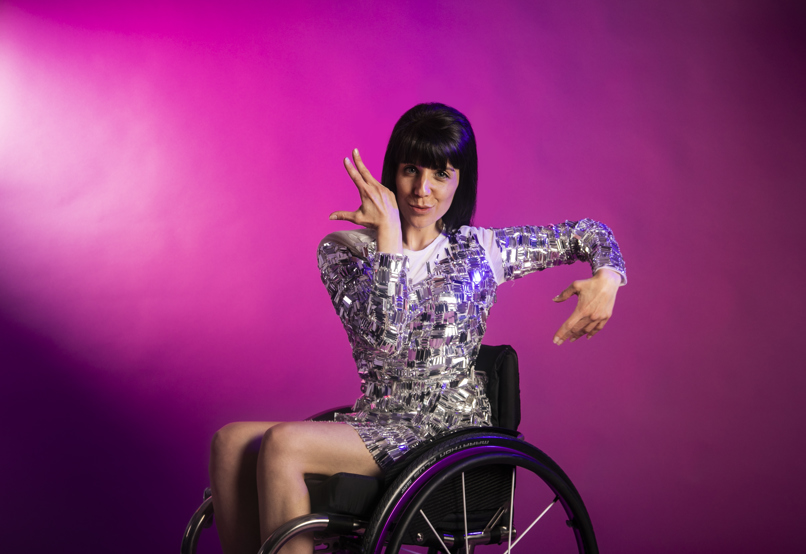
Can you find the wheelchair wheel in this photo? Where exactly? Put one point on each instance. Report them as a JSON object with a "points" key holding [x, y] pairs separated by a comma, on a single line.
{"points": [[461, 496]]}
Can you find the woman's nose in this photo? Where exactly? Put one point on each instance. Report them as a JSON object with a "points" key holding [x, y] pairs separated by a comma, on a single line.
{"points": [[423, 187]]}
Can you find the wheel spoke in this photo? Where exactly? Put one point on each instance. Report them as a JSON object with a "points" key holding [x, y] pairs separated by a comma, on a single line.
{"points": [[464, 509], [553, 502], [501, 511], [432, 485], [511, 506], [439, 538]]}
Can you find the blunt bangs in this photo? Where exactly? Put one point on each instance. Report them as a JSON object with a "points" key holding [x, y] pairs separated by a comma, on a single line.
{"points": [[431, 148], [433, 135]]}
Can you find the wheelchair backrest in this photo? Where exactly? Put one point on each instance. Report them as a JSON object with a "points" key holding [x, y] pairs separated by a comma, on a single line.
{"points": [[500, 366]]}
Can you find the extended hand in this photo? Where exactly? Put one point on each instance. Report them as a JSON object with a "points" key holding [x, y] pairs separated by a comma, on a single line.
{"points": [[597, 296], [378, 204]]}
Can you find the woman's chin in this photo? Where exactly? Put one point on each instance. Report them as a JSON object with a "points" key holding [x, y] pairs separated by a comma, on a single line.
{"points": [[422, 223]]}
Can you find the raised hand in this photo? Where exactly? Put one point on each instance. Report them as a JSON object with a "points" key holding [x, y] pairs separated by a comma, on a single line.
{"points": [[597, 296], [378, 209], [378, 203]]}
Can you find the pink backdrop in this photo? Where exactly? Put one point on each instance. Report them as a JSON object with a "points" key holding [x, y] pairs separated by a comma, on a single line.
{"points": [[167, 169]]}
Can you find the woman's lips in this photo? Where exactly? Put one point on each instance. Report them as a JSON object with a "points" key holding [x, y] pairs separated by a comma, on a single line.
{"points": [[420, 209]]}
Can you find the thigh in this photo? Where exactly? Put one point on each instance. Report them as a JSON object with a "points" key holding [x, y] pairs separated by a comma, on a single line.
{"points": [[320, 447]]}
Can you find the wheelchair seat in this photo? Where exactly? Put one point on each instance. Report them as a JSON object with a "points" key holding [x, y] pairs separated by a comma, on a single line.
{"points": [[449, 494], [344, 493], [357, 495]]}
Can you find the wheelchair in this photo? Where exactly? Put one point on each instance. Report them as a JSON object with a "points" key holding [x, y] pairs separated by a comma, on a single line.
{"points": [[451, 495]]}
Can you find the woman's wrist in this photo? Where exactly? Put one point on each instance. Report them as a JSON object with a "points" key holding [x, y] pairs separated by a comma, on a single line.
{"points": [[390, 239], [605, 273]]}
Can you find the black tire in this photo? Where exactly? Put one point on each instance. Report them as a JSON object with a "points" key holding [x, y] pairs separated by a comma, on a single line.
{"points": [[490, 457]]}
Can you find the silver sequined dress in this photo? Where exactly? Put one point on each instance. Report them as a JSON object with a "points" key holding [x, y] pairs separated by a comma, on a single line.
{"points": [[415, 320]]}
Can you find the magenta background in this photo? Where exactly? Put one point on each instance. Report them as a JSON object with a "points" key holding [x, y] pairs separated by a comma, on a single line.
{"points": [[167, 169]]}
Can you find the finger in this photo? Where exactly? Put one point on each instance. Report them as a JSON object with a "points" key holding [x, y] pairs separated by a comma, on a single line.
{"points": [[567, 293], [586, 330], [354, 174], [346, 216], [564, 332], [598, 328], [362, 169], [579, 329]]}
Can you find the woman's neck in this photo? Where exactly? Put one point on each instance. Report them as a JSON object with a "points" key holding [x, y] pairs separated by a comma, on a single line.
{"points": [[417, 239]]}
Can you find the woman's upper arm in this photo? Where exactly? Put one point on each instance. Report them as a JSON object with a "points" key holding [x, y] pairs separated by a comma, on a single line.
{"points": [[369, 292]]}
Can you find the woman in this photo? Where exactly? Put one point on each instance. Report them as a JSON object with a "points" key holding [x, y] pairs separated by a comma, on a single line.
{"points": [[413, 291]]}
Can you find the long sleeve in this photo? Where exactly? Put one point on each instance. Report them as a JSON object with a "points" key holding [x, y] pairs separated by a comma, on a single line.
{"points": [[530, 248], [369, 291]]}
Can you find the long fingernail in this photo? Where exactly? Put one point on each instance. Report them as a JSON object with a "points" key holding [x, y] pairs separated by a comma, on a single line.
{"points": [[347, 161], [355, 151]]}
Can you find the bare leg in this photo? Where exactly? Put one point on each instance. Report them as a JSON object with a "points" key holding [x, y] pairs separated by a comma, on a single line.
{"points": [[233, 470], [288, 452]]}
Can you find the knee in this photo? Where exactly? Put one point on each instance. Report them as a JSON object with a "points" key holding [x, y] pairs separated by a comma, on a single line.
{"points": [[231, 441], [281, 444]]}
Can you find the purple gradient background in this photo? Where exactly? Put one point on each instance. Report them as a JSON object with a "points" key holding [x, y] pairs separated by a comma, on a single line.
{"points": [[167, 169]]}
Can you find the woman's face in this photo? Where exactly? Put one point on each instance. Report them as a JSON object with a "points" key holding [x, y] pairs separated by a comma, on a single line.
{"points": [[424, 194]]}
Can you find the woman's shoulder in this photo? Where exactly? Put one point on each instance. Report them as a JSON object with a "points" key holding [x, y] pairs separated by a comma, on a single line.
{"points": [[355, 240], [485, 238], [471, 229], [482, 234]]}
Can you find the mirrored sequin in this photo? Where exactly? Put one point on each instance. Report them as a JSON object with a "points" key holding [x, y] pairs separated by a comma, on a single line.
{"points": [[415, 345]]}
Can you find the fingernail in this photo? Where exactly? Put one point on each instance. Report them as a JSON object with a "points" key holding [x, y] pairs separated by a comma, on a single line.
{"points": [[332, 216], [558, 341], [355, 151], [347, 161], [572, 340]]}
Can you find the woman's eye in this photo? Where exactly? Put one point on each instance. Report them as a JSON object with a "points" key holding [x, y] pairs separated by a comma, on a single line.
{"points": [[443, 175]]}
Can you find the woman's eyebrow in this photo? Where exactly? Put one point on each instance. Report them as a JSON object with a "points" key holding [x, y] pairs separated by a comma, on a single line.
{"points": [[446, 168]]}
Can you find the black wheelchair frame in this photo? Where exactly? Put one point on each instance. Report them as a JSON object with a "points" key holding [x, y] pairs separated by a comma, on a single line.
{"points": [[449, 495]]}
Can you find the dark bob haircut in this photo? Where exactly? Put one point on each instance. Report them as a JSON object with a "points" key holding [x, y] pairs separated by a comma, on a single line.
{"points": [[431, 135]]}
